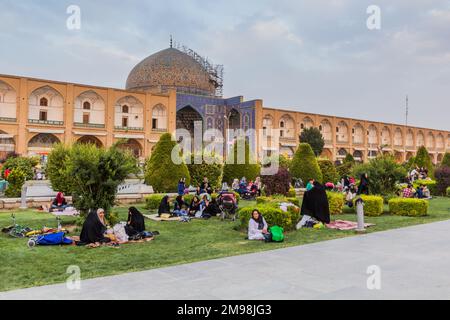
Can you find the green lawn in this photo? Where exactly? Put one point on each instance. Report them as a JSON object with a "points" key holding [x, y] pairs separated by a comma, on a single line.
{"points": [[178, 243]]}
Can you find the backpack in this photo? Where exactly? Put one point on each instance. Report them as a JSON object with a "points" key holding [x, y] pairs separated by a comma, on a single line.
{"points": [[277, 234]]}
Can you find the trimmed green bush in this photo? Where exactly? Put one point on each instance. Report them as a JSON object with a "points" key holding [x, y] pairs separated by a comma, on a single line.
{"points": [[152, 202], [304, 165], [373, 205], [328, 169], [273, 215], [336, 202], [160, 171], [292, 193], [408, 207], [431, 185], [277, 199], [448, 192], [234, 170]]}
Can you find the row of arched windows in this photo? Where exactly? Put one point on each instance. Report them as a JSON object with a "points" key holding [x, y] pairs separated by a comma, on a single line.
{"points": [[358, 133], [46, 105]]}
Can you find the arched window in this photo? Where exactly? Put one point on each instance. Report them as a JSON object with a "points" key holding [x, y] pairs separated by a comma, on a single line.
{"points": [[43, 102], [246, 120], [125, 109], [86, 105], [159, 118], [342, 132]]}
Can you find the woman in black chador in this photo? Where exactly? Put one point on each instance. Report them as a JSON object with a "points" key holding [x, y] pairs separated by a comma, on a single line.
{"points": [[94, 228], [315, 203], [164, 206], [135, 223], [364, 184]]}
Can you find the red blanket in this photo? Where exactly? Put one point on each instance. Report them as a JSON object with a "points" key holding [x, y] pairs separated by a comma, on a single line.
{"points": [[345, 225]]}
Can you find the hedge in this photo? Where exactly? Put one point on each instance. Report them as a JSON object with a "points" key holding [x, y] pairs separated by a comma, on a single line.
{"points": [[408, 207], [152, 202], [373, 205], [277, 199], [448, 192], [273, 215], [328, 170], [336, 202], [431, 184], [292, 193]]}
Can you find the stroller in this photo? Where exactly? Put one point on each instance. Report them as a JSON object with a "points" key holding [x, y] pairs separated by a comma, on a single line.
{"points": [[227, 204]]}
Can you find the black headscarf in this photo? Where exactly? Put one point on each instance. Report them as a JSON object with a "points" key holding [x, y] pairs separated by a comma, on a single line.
{"points": [[260, 220], [93, 229], [164, 206], [213, 208], [136, 220], [315, 203]]}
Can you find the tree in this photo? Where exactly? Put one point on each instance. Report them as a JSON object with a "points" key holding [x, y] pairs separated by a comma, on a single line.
{"points": [[423, 160], [93, 175], [314, 138], [446, 160], [344, 169], [278, 183], [304, 165], [160, 171], [328, 170], [349, 159], [212, 171], [235, 170], [442, 175], [56, 168], [384, 173], [24, 164], [16, 179]]}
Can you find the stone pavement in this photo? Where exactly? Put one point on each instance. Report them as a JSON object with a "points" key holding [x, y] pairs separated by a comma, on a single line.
{"points": [[414, 264]]}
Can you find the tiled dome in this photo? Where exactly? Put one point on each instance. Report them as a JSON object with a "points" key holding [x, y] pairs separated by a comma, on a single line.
{"points": [[167, 69]]}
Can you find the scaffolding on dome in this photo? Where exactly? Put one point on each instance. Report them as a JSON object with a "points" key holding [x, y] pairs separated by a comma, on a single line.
{"points": [[215, 71]]}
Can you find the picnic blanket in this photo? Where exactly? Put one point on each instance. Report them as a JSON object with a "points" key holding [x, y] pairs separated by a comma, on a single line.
{"points": [[155, 217], [346, 225], [68, 212]]}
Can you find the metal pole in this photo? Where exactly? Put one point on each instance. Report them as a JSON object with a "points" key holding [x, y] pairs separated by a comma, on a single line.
{"points": [[23, 203], [360, 214]]}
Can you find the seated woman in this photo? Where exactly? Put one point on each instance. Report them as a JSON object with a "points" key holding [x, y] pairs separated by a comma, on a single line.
{"points": [[235, 185], [213, 209], [135, 222], [408, 192], [195, 206], [94, 229], [164, 206], [179, 205], [60, 203], [257, 227]]}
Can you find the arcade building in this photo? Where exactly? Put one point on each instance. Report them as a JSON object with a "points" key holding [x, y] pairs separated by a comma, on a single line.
{"points": [[173, 89]]}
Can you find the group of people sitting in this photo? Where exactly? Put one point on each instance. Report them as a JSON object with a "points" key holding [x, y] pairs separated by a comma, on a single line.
{"points": [[315, 212], [201, 206], [417, 174], [96, 233], [422, 192], [246, 189]]}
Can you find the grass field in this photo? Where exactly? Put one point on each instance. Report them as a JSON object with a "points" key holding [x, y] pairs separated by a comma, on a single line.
{"points": [[178, 243]]}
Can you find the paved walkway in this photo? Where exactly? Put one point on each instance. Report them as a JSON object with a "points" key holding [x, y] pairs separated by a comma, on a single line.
{"points": [[414, 264]]}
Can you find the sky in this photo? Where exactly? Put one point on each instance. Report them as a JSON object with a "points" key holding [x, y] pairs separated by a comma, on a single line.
{"points": [[314, 56]]}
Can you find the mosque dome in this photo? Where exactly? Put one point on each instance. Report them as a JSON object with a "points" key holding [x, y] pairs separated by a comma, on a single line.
{"points": [[170, 69]]}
